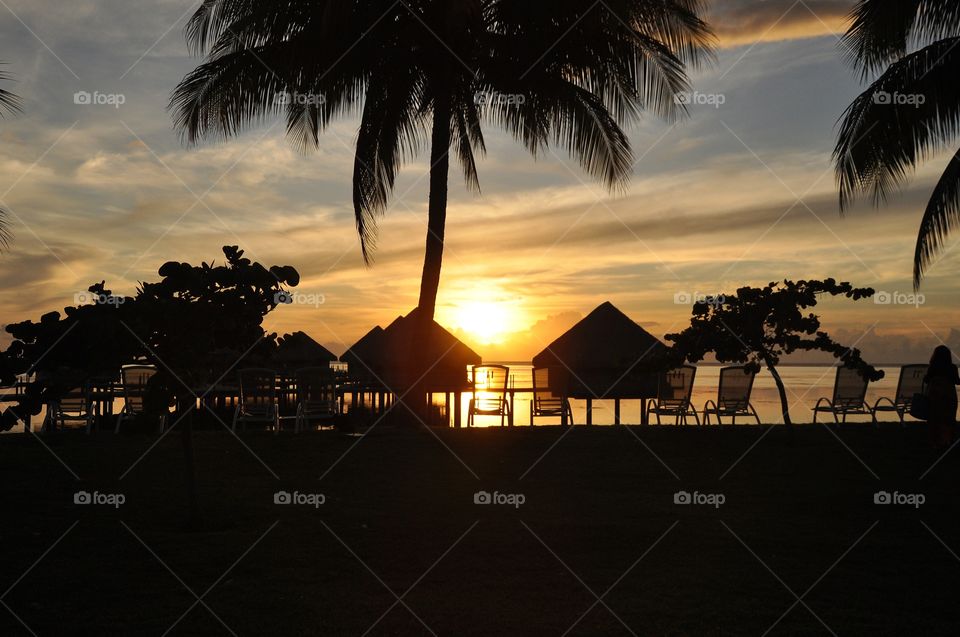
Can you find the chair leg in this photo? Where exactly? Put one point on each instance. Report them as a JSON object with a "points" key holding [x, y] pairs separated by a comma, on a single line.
{"points": [[236, 415], [163, 423], [116, 429]]}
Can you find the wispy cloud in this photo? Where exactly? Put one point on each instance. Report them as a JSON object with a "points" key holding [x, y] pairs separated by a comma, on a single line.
{"points": [[707, 210], [740, 22]]}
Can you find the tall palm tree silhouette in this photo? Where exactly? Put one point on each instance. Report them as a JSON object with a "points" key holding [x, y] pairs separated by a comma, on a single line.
{"points": [[430, 72], [11, 104], [909, 112]]}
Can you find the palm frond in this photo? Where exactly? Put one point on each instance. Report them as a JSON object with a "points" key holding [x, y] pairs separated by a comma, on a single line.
{"points": [[584, 72], [392, 131], [12, 104], [879, 140], [586, 129], [221, 97], [575, 119], [466, 135], [883, 31], [6, 233], [9, 102], [941, 217]]}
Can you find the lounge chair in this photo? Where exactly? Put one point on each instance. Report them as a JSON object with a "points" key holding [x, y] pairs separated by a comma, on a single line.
{"points": [[75, 406], [733, 396], [316, 396], [134, 379], [910, 383], [673, 395], [849, 391], [546, 402], [258, 399], [490, 393]]}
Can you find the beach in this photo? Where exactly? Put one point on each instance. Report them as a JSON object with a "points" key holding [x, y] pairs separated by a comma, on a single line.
{"points": [[599, 518]]}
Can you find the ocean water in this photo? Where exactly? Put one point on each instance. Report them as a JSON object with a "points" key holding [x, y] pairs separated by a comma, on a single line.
{"points": [[805, 385]]}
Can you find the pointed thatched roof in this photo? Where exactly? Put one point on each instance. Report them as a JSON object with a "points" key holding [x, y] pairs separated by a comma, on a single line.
{"points": [[365, 352], [604, 355], [298, 349], [386, 355]]}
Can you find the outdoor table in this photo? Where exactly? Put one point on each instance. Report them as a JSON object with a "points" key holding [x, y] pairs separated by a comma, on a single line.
{"points": [[643, 397]]}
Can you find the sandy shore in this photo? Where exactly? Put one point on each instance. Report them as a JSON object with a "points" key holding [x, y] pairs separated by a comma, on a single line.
{"points": [[578, 514]]}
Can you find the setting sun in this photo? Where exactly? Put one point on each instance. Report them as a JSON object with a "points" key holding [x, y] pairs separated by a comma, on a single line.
{"points": [[486, 321]]}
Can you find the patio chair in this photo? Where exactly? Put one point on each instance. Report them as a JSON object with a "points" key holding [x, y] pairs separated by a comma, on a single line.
{"points": [[134, 379], [490, 393], [673, 395], [910, 383], [546, 402], [101, 390], [258, 399], [849, 391], [316, 396], [733, 396], [74, 406]]}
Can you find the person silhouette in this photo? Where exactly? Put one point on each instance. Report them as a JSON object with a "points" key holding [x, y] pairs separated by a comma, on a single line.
{"points": [[941, 380]]}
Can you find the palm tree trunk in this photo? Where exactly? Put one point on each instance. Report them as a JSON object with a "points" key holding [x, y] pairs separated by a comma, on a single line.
{"points": [[433, 258], [436, 223]]}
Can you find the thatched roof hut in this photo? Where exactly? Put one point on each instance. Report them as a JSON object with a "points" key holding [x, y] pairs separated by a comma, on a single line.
{"points": [[299, 350], [605, 355], [385, 355], [364, 355]]}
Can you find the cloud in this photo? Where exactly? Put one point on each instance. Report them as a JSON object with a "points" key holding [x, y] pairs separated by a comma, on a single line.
{"points": [[745, 22], [711, 206]]}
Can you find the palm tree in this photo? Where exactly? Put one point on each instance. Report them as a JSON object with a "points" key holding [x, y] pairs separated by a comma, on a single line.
{"points": [[909, 113], [424, 72], [9, 104]]}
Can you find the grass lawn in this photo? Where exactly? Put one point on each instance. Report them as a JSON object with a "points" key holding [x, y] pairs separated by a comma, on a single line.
{"points": [[399, 520]]}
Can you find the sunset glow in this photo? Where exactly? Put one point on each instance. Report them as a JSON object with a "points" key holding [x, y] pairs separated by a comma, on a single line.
{"points": [[712, 204], [487, 322]]}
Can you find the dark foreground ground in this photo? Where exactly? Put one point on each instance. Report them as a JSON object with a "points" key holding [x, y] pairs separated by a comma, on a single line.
{"points": [[399, 548]]}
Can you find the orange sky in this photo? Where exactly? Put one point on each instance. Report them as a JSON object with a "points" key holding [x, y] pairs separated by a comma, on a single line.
{"points": [[740, 193]]}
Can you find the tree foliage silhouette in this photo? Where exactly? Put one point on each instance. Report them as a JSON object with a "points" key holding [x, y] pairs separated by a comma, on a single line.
{"points": [[907, 114], [425, 72], [759, 326], [196, 325]]}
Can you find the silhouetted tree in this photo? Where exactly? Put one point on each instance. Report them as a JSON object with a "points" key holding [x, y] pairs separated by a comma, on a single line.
{"points": [[910, 112], [196, 325], [428, 72], [64, 352], [758, 326]]}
